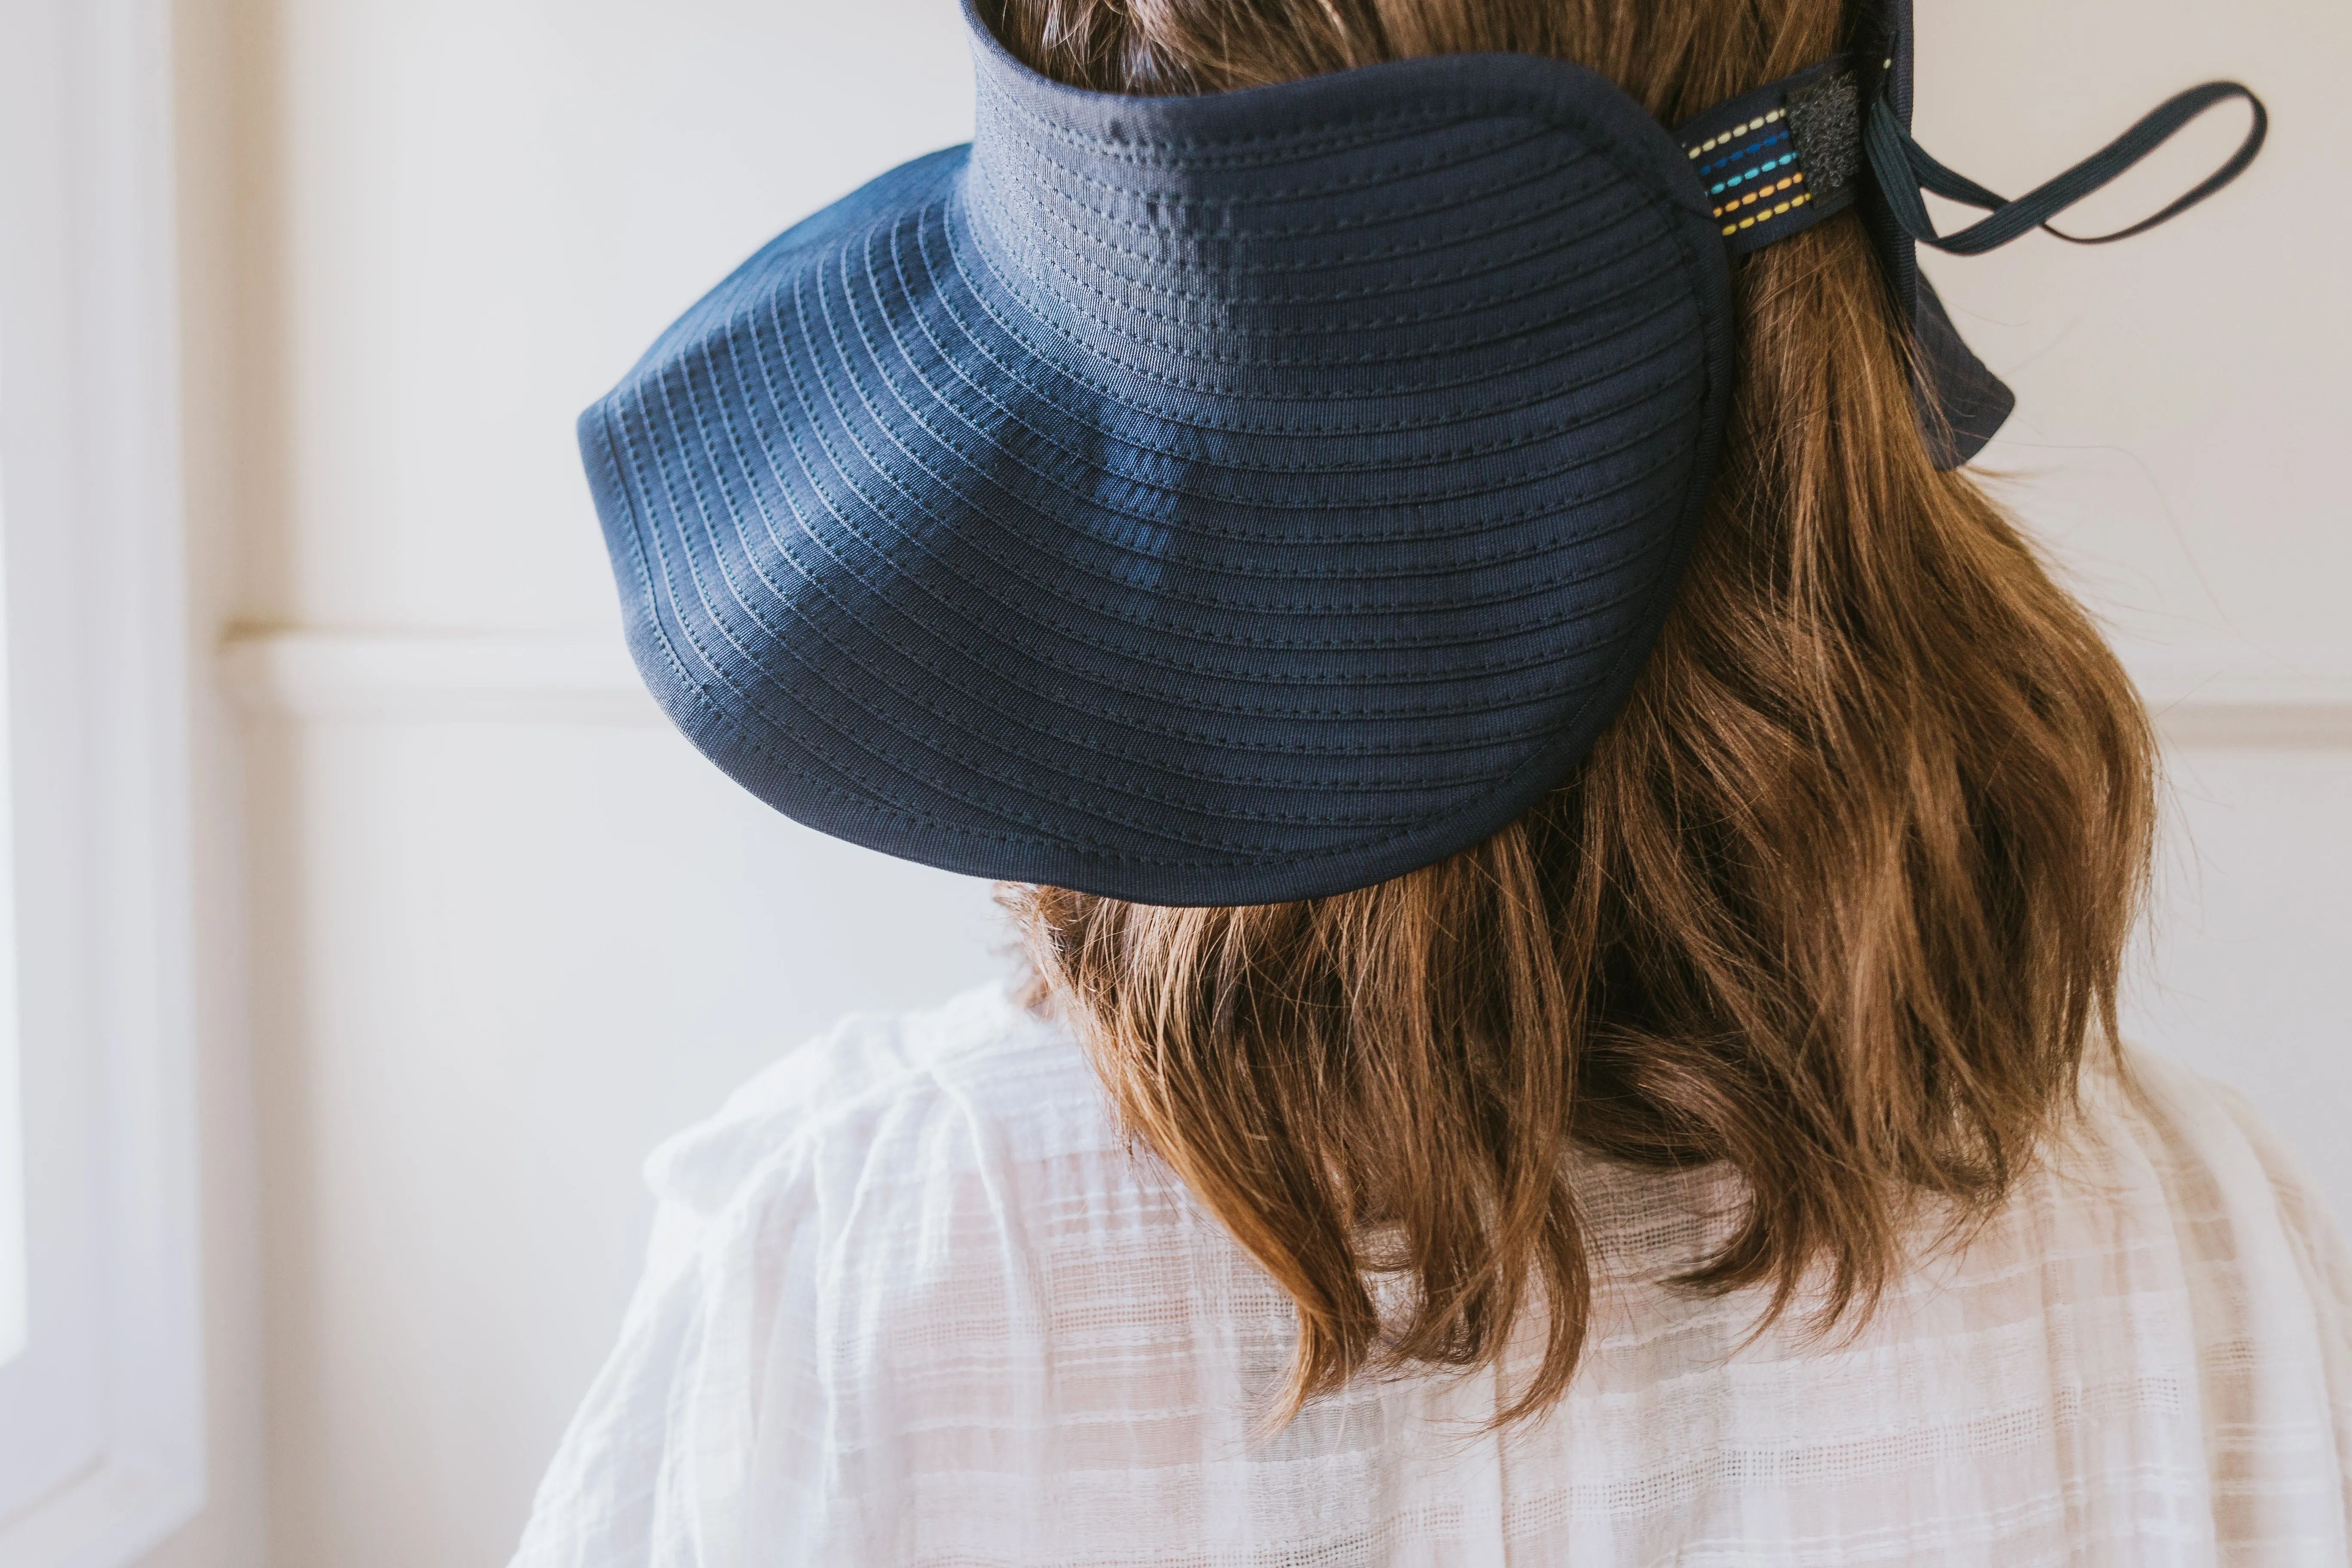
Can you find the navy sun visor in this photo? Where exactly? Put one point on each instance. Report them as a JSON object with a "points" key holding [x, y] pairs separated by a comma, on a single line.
{"points": [[1246, 497]]}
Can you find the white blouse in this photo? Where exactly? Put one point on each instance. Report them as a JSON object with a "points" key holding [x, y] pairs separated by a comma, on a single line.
{"points": [[912, 1300]]}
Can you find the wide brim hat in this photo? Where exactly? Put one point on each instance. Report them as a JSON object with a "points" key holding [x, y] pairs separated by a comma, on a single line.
{"points": [[1227, 499]]}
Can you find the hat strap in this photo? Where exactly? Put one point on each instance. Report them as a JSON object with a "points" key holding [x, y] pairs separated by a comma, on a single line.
{"points": [[1778, 160], [1903, 169]]}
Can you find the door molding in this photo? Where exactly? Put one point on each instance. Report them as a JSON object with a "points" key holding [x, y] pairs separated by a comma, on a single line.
{"points": [[98, 675]]}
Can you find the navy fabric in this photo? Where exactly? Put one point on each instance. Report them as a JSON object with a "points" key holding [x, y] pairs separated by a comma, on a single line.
{"points": [[1228, 499], [1962, 405], [1211, 499]]}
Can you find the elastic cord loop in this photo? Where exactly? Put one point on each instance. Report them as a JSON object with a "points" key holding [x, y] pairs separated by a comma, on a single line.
{"points": [[1904, 169]]}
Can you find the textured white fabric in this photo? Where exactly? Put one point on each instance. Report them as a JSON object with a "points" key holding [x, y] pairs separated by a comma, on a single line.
{"points": [[912, 1300]]}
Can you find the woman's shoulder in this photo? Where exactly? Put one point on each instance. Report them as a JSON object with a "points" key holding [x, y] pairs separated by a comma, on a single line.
{"points": [[2224, 1186], [859, 1219], [907, 1081]]}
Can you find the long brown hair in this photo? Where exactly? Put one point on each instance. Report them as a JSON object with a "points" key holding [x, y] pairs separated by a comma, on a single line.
{"points": [[1838, 900]]}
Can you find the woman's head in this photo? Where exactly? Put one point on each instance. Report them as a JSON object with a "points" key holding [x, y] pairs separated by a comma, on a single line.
{"points": [[1839, 899]]}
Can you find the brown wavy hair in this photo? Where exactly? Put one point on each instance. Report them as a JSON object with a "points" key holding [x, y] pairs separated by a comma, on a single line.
{"points": [[1839, 899]]}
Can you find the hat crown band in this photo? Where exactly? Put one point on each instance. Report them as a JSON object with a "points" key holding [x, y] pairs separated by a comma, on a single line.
{"points": [[1387, 218]]}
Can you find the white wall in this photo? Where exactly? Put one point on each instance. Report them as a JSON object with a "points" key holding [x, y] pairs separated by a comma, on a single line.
{"points": [[2183, 417], [499, 956], [509, 930]]}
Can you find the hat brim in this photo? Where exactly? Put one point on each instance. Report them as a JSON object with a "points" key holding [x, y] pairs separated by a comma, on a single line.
{"points": [[1961, 403], [1124, 507]]}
